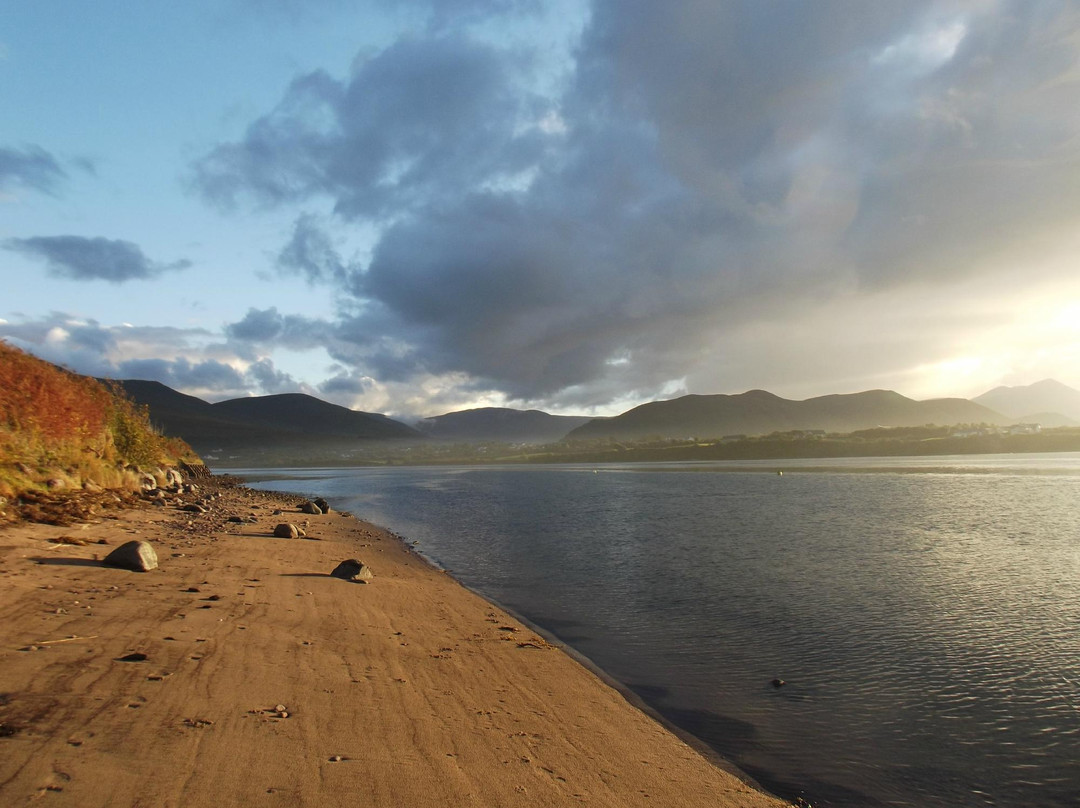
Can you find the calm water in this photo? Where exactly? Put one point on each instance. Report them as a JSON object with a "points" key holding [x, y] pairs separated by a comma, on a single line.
{"points": [[925, 613]]}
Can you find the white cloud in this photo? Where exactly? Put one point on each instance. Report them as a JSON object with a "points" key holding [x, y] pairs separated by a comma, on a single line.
{"points": [[924, 51]]}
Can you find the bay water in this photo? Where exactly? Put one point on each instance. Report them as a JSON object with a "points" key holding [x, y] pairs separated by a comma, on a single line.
{"points": [[923, 613]]}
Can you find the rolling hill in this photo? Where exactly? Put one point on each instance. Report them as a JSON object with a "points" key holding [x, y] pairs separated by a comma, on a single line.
{"points": [[759, 412], [500, 424]]}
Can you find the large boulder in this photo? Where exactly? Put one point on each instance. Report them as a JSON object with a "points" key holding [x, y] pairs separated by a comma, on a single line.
{"points": [[353, 570], [137, 556], [286, 530], [322, 504], [311, 508]]}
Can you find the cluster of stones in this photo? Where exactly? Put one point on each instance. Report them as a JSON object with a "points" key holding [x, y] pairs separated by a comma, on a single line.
{"points": [[315, 507], [287, 530], [139, 556], [173, 490]]}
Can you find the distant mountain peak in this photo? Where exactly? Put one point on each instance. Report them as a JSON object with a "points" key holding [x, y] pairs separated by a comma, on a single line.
{"points": [[1050, 384], [1046, 396], [502, 424], [757, 393]]}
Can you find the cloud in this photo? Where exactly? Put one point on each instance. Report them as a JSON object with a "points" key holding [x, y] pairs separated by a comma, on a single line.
{"points": [[83, 259], [31, 167], [423, 119], [707, 171], [190, 360], [311, 253], [271, 380], [343, 383], [270, 327], [183, 374]]}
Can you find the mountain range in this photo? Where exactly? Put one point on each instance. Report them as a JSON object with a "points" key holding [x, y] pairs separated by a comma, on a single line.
{"points": [[284, 418], [296, 419], [759, 412]]}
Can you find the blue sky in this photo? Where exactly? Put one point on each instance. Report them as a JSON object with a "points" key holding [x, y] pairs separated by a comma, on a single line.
{"points": [[419, 207]]}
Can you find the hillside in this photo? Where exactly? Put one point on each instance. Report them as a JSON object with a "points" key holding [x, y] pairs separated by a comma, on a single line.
{"points": [[289, 418], [1039, 402], [500, 424], [759, 412], [61, 431]]}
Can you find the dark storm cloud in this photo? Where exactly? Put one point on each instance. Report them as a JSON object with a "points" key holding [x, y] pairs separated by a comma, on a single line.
{"points": [[709, 164], [82, 259], [421, 121], [31, 167]]}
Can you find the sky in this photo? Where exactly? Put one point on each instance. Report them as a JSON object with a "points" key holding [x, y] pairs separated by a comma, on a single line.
{"points": [[419, 207]]}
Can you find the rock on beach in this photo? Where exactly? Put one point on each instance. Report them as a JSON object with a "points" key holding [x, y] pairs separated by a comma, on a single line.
{"points": [[353, 570], [137, 556]]}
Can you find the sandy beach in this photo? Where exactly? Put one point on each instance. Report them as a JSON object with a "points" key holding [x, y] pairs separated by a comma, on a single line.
{"points": [[267, 682]]}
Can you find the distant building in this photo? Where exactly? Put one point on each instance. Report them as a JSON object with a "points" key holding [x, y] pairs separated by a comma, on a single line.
{"points": [[801, 434], [1025, 429]]}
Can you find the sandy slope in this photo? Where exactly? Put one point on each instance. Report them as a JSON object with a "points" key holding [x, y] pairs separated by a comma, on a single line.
{"points": [[408, 691]]}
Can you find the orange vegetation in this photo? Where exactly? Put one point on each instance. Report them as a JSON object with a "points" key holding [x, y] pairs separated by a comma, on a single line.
{"points": [[57, 425]]}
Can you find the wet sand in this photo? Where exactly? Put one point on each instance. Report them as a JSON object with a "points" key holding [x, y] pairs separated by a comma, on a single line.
{"points": [[268, 682]]}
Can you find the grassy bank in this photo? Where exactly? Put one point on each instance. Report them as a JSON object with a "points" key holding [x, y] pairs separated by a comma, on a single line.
{"points": [[60, 431]]}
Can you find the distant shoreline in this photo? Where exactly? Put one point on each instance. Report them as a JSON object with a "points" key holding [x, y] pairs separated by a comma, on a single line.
{"points": [[765, 448]]}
